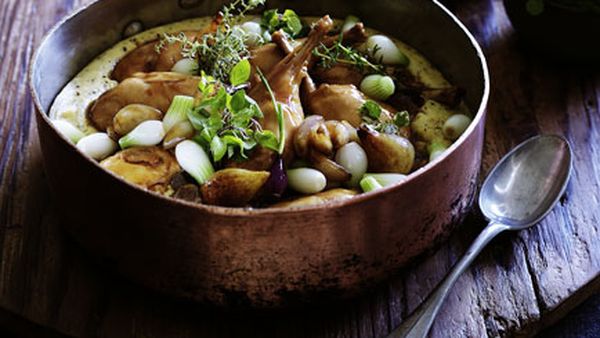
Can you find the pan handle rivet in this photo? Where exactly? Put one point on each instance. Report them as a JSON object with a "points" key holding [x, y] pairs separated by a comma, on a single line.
{"points": [[133, 28]]}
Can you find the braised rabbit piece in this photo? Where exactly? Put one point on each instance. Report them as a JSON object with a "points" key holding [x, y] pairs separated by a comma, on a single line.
{"points": [[285, 80], [269, 110]]}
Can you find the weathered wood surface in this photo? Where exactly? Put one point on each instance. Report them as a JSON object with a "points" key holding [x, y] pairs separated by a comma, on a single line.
{"points": [[524, 281]]}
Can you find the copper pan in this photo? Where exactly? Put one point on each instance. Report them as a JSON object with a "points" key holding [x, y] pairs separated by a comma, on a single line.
{"points": [[270, 257]]}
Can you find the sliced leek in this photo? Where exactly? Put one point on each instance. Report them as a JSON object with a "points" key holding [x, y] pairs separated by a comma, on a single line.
{"points": [[177, 112], [194, 160], [147, 133]]}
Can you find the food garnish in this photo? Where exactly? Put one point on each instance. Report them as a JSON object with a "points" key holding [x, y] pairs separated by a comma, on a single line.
{"points": [[344, 55], [288, 21], [218, 52]]}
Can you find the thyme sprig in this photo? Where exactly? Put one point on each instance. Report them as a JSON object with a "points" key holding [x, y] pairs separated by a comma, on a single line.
{"points": [[218, 52], [340, 54]]}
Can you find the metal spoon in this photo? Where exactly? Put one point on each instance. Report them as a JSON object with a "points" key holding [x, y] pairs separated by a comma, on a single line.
{"points": [[520, 191]]}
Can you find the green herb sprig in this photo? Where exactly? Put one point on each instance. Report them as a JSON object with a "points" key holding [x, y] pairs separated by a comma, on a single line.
{"points": [[340, 54], [288, 21], [372, 117], [218, 52], [227, 123]]}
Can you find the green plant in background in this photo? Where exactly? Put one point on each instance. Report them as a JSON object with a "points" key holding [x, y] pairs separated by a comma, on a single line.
{"points": [[536, 7]]}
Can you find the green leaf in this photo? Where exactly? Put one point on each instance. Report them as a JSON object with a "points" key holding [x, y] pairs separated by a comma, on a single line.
{"points": [[292, 21], [218, 148], [198, 120], [238, 101], [402, 119], [371, 109], [206, 84], [235, 143], [267, 139], [242, 118], [240, 73], [289, 21], [269, 19]]}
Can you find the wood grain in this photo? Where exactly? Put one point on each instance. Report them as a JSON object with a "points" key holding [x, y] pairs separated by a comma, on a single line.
{"points": [[521, 283]]}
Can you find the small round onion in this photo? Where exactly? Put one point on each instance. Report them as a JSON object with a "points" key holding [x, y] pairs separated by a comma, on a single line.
{"points": [[97, 146], [354, 159], [186, 66], [147, 133], [456, 126], [254, 33], [306, 180], [68, 130], [378, 87], [380, 47]]}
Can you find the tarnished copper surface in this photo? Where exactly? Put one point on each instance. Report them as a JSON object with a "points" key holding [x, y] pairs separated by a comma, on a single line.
{"points": [[270, 257]]}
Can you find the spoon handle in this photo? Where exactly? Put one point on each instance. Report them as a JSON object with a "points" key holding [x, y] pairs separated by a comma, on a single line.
{"points": [[417, 325]]}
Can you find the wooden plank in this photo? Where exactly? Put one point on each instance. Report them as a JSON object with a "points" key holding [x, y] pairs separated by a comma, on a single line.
{"points": [[521, 283]]}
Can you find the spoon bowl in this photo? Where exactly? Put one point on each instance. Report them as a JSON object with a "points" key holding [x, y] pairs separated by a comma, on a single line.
{"points": [[527, 182]]}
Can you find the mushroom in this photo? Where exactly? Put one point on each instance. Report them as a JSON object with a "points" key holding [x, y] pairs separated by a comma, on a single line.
{"points": [[149, 167], [317, 199], [233, 187], [387, 153], [131, 116], [153, 89], [316, 140]]}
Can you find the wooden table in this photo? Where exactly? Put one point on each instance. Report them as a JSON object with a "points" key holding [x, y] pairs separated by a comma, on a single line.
{"points": [[523, 282]]}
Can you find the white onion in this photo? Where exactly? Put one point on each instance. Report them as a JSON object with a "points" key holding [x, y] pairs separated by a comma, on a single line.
{"points": [[147, 133], [378, 87], [380, 47], [186, 66], [97, 146], [306, 180], [194, 160], [456, 126], [253, 32], [354, 159], [68, 130]]}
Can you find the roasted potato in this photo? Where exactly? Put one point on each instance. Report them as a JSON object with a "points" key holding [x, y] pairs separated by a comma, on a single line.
{"points": [[428, 124]]}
